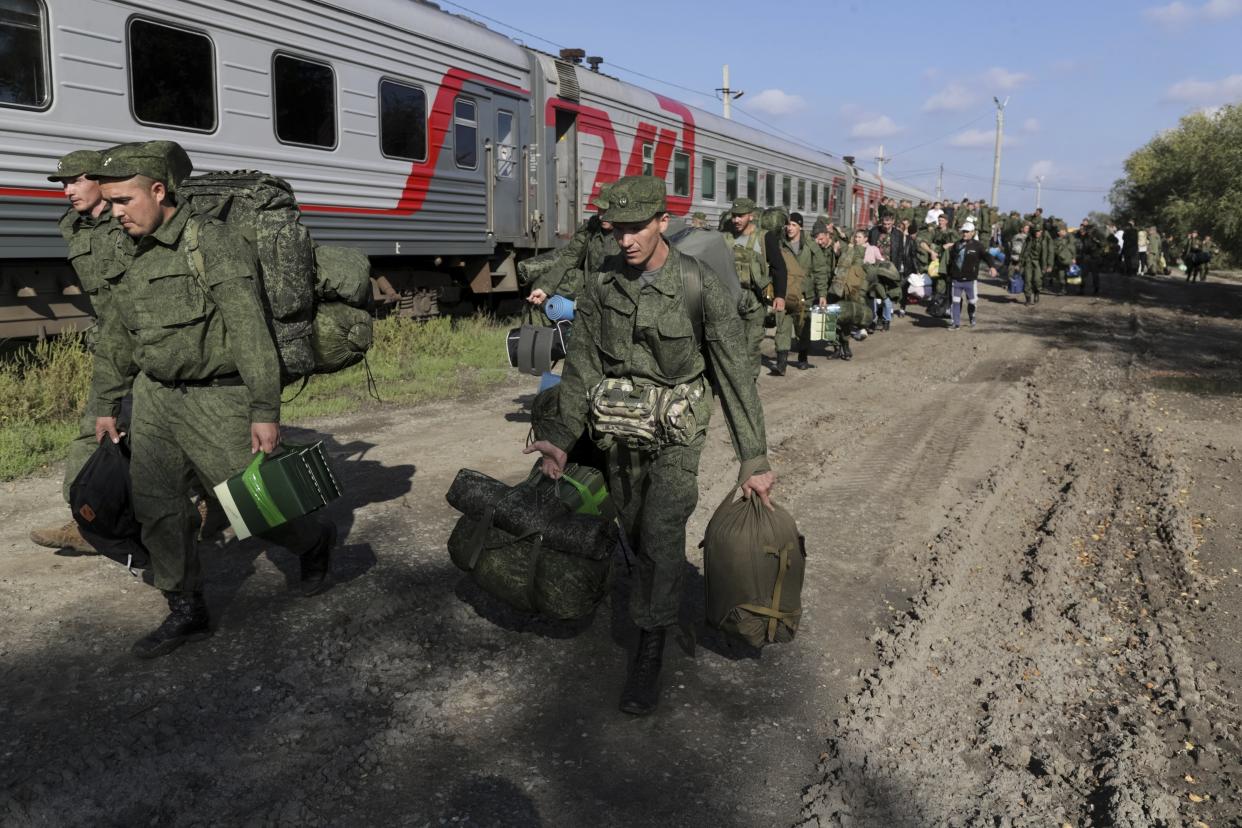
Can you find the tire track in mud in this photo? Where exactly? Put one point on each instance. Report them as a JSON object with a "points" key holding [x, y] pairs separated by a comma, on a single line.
{"points": [[1038, 676]]}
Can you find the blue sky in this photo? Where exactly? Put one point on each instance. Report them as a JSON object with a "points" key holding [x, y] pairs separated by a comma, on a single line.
{"points": [[1088, 82]]}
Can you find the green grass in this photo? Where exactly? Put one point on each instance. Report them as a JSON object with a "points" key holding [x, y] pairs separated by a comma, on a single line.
{"points": [[43, 388], [412, 362]]}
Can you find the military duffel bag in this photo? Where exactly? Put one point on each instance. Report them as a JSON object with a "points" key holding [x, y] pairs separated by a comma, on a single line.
{"points": [[525, 546], [754, 560]]}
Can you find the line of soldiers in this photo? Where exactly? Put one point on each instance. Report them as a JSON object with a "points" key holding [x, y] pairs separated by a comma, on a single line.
{"points": [[193, 352]]}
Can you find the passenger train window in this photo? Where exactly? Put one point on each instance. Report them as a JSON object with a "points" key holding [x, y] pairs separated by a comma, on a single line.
{"points": [[23, 54], [465, 134], [305, 93], [752, 184], [769, 189], [814, 196], [786, 192], [403, 121], [731, 182], [707, 179], [172, 79], [681, 174], [506, 144], [648, 159], [801, 193]]}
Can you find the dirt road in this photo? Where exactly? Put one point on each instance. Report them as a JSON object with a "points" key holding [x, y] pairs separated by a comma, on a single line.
{"points": [[1020, 609]]}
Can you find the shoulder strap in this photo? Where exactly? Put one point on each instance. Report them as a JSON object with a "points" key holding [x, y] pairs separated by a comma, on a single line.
{"points": [[193, 234], [692, 295]]}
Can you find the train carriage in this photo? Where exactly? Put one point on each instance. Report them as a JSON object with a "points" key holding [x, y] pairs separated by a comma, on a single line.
{"points": [[443, 149]]}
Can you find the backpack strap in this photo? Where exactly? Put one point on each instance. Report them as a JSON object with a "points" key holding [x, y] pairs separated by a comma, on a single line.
{"points": [[692, 295], [198, 263]]}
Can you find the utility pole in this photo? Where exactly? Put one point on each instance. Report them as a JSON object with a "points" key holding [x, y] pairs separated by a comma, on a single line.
{"points": [[996, 156], [940, 184], [879, 162], [728, 95], [1039, 187]]}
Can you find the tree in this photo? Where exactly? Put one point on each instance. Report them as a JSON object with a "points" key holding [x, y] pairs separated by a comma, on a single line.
{"points": [[1188, 178]]}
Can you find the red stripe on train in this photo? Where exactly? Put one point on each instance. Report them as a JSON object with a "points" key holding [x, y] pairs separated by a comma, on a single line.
{"points": [[23, 192]]}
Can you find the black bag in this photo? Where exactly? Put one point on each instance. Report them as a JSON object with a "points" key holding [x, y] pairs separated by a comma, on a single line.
{"points": [[101, 497], [938, 306]]}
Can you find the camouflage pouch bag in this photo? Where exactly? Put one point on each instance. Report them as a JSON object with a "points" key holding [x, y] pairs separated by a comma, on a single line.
{"points": [[626, 413], [678, 414]]}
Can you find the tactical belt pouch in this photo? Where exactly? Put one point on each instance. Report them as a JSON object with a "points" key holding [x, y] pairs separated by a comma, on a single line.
{"points": [[646, 417], [274, 490]]}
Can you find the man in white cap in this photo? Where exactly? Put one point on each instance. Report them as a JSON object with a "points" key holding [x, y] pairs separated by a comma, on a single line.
{"points": [[964, 259]]}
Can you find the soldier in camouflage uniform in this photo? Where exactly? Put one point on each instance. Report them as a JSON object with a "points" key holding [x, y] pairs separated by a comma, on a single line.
{"points": [[207, 386], [1090, 256], [633, 329], [1033, 261], [97, 249], [1064, 254], [562, 272], [943, 239], [806, 270], [760, 269]]}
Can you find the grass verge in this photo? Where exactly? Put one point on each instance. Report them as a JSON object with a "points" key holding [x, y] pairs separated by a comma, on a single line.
{"points": [[44, 387]]}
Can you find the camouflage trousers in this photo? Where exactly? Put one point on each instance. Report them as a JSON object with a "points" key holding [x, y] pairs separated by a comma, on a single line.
{"points": [[656, 493], [752, 313], [177, 434], [794, 323], [1032, 275]]}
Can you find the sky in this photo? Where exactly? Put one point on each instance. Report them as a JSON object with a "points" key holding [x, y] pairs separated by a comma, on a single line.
{"points": [[1087, 82]]}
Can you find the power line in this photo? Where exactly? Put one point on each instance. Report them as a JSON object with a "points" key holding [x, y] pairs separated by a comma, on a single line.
{"points": [[701, 93], [942, 137]]}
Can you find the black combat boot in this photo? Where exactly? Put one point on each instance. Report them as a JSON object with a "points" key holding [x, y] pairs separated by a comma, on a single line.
{"points": [[642, 685], [186, 621], [804, 361], [846, 353], [317, 561], [782, 360]]}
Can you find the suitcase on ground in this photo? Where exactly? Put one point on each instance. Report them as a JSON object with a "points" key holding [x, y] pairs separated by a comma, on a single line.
{"points": [[1017, 284]]}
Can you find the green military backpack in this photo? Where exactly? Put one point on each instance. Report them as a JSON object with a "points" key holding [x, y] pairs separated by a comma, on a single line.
{"points": [[299, 282]]}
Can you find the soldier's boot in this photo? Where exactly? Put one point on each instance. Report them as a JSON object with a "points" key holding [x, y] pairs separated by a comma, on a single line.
{"points": [[68, 536], [642, 684], [804, 361], [317, 562], [846, 353], [186, 621], [782, 360]]}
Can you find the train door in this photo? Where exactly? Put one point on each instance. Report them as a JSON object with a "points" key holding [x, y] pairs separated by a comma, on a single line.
{"points": [[566, 149], [504, 154]]}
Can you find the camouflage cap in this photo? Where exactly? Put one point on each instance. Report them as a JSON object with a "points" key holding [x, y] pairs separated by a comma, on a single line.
{"points": [[164, 161], [699, 214], [820, 226], [601, 199], [635, 198], [76, 163], [743, 206]]}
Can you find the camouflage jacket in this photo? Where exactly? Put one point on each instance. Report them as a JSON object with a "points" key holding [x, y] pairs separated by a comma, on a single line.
{"points": [[1034, 253], [99, 250], [813, 262], [175, 326], [625, 329]]}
